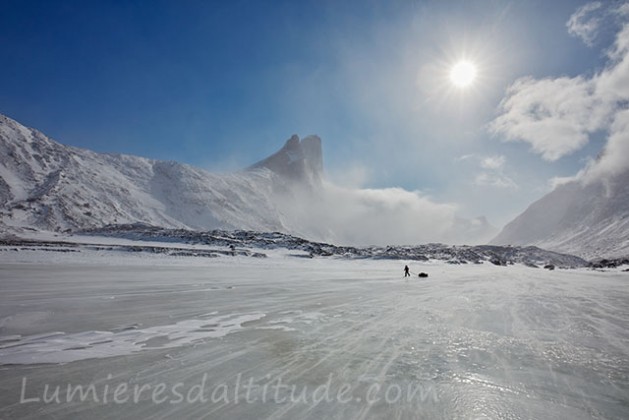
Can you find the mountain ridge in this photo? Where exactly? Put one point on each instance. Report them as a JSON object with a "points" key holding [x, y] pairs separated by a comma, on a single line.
{"points": [[56, 187]]}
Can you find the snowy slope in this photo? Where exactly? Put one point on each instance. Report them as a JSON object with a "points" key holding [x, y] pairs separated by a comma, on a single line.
{"points": [[585, 219], [46, 185]]}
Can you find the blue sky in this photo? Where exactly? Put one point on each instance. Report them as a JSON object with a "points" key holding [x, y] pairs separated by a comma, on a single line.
{"points": [[223, 84]]}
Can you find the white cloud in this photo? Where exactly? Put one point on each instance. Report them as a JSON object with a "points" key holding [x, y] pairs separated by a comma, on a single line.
{"points": [[584, 23], [612, 84], [557, 116], [554, 115], [561, 180], [492, 174], [615, 156], [493, 162]]}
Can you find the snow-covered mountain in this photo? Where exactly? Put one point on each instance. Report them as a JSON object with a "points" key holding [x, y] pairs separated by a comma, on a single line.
{"points": [[48, 186], [584, 217]]}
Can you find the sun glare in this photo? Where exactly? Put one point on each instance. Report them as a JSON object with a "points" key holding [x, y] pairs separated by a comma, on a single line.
{"points": [[462, 74]]}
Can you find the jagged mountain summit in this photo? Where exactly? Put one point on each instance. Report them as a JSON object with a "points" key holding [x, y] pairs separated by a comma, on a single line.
{"points": [[45, 185], [589, 219], [298, 160]]}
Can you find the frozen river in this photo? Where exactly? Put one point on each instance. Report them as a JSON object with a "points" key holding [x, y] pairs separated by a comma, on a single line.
{"points": [[133, 336]]}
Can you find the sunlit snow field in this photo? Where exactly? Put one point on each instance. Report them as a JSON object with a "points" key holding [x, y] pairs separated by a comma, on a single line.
{"points": [[150, 336]]}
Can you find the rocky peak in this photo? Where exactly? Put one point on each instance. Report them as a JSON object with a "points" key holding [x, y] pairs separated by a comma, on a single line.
{"points": [[299, 160]]}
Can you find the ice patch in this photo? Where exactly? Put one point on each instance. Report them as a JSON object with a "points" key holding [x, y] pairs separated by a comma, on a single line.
{"points": [[59, 347], [294, 317]]}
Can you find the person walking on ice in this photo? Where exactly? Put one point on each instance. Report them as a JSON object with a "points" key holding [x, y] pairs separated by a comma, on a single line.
{"points": [[406, 271]]}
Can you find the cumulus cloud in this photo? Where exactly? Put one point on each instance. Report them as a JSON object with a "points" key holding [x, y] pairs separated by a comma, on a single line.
{"points": [[584, 23], [557, 116]]}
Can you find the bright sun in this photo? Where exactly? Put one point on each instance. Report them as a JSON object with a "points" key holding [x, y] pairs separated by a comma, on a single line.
{"points": [[462, 74]]}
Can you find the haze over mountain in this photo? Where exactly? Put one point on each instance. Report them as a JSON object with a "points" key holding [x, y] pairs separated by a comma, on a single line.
{"points": [[49, 186], [586, 217]]}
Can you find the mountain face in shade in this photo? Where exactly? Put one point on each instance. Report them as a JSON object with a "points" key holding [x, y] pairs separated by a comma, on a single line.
{"points": [[586, 219], [298, 160]]}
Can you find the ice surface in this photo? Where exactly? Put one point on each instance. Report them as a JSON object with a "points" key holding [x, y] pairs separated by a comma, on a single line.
{"points": [[63, 348], [477, 341]]}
